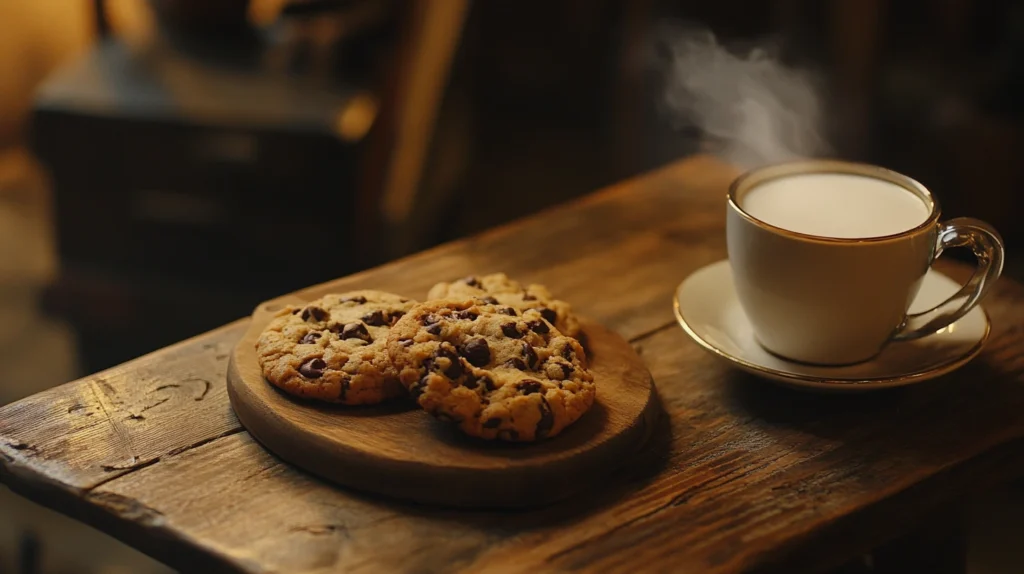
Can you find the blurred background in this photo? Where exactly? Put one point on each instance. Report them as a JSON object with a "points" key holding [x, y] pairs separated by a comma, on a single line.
{"points": [[167, 164]]}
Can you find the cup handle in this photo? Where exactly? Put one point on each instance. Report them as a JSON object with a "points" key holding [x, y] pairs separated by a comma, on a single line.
{"points": [[984, 241]]}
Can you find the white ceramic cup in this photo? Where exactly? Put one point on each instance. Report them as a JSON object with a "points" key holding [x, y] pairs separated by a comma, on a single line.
{"points": [[837, 301]]}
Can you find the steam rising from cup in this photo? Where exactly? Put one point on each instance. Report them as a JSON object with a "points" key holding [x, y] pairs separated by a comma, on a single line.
{"points": [[752, 109]]}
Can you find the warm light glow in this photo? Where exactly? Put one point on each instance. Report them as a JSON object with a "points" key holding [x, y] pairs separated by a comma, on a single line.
{"points": [[354, 120]]}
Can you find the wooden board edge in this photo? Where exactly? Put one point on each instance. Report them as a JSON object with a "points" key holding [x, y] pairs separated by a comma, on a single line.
{"points": [[535, 493]]}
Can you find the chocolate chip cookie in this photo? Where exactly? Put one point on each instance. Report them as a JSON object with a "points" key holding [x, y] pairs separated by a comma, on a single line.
{"points": [[334, 349], [496, 371], [498, 289]]}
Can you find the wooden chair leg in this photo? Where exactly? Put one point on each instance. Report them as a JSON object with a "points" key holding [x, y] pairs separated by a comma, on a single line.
{"points": [[434, 41], [400, 141], [28, 553]]}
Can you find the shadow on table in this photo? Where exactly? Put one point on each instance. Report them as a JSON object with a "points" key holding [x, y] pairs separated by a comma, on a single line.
{"points": [[887, 442], [630, 476], [929, 422]]}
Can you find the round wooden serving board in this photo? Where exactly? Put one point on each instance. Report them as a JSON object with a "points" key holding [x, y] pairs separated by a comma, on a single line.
{"points": [[396, 449]]}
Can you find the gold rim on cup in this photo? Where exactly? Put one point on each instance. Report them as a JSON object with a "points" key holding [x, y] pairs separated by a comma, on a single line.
{"points": [[755, 177]]}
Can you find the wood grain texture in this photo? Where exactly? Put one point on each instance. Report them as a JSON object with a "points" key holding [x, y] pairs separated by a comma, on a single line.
{"points": [[94, 430], [741, 476], [398, 450]]}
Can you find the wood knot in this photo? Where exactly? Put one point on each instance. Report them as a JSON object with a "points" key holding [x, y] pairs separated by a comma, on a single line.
{"points": [[19, 446]]}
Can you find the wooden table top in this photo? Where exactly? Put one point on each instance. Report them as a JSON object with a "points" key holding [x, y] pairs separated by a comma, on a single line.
{"points": [[741, 476]]}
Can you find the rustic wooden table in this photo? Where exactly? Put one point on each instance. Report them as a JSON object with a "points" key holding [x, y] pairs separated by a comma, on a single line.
{"points": [[740, 476]]}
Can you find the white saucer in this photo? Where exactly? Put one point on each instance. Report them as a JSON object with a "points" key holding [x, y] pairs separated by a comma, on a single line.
{"points": [[708, 310]]}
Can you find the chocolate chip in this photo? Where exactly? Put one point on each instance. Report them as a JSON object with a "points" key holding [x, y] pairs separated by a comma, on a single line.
{"points": [[356, 331], [511, 311], [489, 300], [548, 314], [508, 434], [455, 370], [546, 422], [530, 355], [432, 322], [539, 327], [447, 351], [406, 341], [472, 281], [492, 423], [557, 370], [512, 330], [316, 313], [477, 352], [313, 368], [516, 363], [528, 296], [466, 315], [375, 319], [566, 371], [296, 311], [568, 352], [395, 316], [529, 386], [473, 382], [309, 337], [358, 299], [345, 384]]}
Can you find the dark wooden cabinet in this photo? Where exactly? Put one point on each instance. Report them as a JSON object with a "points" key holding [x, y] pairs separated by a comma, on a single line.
{"points": [[175, 187]]}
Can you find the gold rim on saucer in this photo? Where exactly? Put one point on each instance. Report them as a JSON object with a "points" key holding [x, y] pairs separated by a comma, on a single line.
{"points": [[826, 382]]}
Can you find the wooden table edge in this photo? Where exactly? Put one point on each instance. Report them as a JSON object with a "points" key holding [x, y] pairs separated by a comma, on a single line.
{"points": [[109, 513]]}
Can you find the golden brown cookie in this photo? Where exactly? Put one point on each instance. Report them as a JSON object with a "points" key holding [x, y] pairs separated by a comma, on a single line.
{"points": [[498, 289], [334, 349], [495, 371]]}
